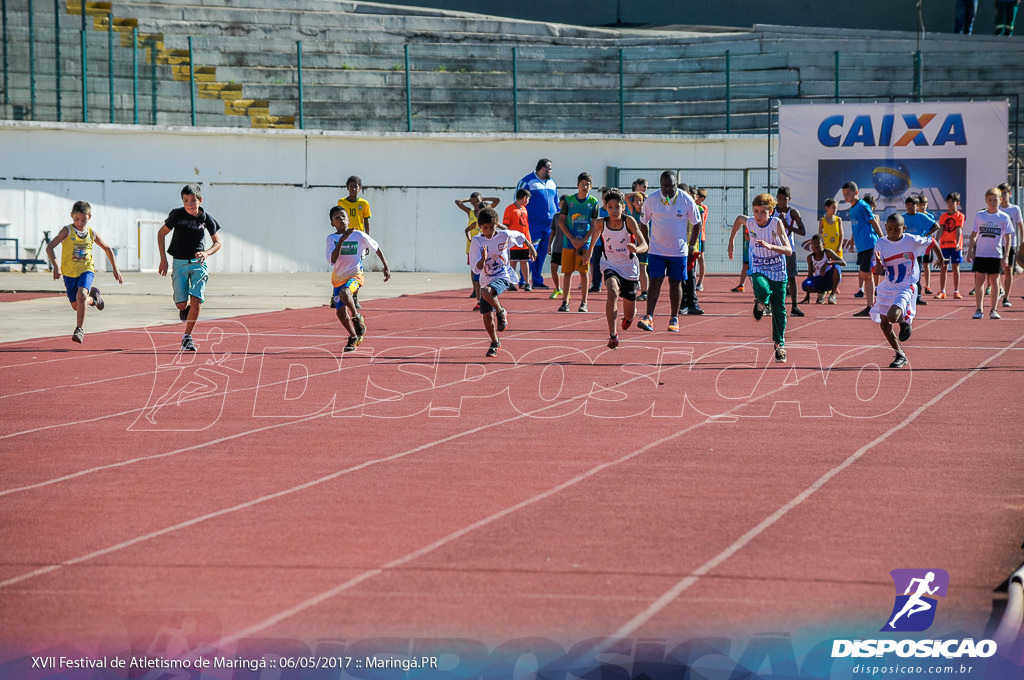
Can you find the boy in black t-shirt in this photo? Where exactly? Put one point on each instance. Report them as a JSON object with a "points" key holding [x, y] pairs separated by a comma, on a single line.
{"points": [[189, 273]]}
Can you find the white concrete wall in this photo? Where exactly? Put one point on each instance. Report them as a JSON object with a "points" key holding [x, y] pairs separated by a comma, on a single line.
{"points": [[271, 190]]}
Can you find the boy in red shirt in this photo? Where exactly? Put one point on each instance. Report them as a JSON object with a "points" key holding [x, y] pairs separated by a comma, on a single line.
{"points": [[951, 241], [516, 219]]}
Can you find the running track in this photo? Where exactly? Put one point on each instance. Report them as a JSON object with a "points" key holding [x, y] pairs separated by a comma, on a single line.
{"points": [[681, 485]]}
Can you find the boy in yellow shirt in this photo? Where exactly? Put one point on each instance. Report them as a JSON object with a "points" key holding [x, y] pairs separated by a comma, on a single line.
{"points": [[77, 265]]}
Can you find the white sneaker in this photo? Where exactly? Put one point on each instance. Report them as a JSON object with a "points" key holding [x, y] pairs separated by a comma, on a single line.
{"points": [[994, 315]]}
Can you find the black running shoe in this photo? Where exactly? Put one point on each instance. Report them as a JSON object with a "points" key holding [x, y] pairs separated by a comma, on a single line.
{"points": [[796, 311], [360, 323], [78, 336], [905, 331], [492, 351], [899, 361], [353, 342], [96, 298], [864, 312], [759, 310], [502, 319], [183, 313], [187, 345], [694, 310]]}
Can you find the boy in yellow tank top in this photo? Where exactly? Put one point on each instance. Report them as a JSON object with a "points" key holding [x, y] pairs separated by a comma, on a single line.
{"points": [[830, 228], [77, 265]]}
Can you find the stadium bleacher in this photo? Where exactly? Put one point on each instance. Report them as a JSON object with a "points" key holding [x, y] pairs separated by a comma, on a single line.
{"points": [[462, 75]]}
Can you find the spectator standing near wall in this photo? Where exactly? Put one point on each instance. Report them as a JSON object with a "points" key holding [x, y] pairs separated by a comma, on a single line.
{"points": [[965, 12], [541, 209]]}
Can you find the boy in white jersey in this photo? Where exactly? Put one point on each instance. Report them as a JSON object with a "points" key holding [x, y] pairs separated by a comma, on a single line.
{"points": [[823, 272], [1015, 238], [991, 236], [620, 267], [896, 260], [345, 250], [769, 247], [77, 266], [488, 254]]}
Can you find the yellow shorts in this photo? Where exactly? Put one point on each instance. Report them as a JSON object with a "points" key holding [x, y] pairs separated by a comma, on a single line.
{"points": [[574, 261], [352, 285]]}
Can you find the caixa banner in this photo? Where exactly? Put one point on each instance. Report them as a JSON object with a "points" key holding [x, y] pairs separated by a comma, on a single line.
{"points": [[892, 151]]}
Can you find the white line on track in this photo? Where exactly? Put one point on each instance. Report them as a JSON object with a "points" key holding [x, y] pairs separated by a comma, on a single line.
{"points": [[460, 533], [676, 590]]}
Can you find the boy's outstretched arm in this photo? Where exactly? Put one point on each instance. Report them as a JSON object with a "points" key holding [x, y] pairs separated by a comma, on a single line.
{"points": [[384, 264], [595, 231], [110, 256], [63, 234], [161, 237], [737, 224], [641, 243]]}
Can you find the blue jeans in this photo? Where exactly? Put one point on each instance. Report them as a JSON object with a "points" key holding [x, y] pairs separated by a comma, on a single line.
{"points": [[965, 12]]}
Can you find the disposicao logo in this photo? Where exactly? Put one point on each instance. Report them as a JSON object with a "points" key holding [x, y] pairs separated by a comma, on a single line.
{"points": [[915, 605], [914, 611]]}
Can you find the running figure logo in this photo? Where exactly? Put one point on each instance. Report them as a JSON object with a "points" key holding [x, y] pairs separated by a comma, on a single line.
{"points": [[914, 610]]}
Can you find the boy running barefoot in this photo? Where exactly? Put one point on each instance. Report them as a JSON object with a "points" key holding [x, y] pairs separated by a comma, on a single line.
{"points": [[897, 259], [489, 253], [622, 242], [346, 248], [77, 266]]}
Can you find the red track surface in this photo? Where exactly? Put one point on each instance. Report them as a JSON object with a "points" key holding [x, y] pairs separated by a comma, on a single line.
{"points": [[496, 499]]}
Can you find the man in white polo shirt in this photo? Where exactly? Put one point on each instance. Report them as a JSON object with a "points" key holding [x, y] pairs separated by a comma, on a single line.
{"points": [[667, 214]]}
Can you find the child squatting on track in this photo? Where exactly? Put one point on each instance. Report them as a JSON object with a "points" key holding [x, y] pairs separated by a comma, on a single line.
{"points": [[345, 250], [896, 260], [622, 242], [769, 246], [190, 272], [489, 255], [77, 265]]}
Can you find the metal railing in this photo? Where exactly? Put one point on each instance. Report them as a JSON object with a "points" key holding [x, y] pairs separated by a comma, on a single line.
{"points": [[424, 87]]}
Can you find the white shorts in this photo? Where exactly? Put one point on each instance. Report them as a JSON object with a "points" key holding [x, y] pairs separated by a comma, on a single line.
{"points": [[904, 298]]}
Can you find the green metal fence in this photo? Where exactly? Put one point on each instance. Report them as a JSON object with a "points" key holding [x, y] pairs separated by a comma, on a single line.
{"points": [[426, 87]]}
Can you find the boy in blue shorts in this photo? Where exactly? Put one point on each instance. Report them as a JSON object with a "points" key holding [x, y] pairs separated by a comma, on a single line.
{"points": [[489, 255], [345, 248], [77, 265], [189, 274]]}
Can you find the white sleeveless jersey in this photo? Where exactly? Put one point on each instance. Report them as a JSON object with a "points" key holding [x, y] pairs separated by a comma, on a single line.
{"points": [[820, 265], [762, 260], [616, 252]]}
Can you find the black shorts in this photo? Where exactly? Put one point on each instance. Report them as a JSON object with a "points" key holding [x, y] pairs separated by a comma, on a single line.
{"points": [[628, 290], [556, 257], [864, 260], [791, 266], [987, 265], [518, 255], [927, 257]]}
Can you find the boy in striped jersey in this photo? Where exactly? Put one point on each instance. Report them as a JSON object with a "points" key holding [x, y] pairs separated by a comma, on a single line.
{"points": [[896, 260], [622, 241], [769, 247]]}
